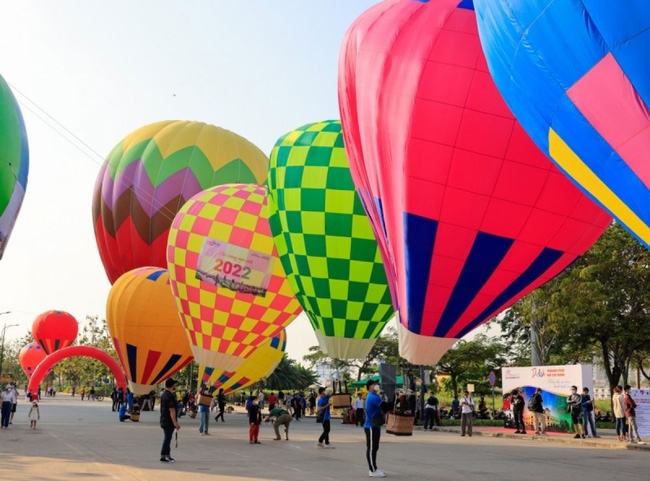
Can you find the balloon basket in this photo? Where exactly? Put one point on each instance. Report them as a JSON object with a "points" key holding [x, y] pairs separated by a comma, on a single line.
{"points": [[399, 425], [204, 400], [135, 418], [191, 414], [341, 400]]}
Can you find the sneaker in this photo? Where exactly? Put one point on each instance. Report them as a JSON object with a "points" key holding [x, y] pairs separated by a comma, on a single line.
{"points": [[577, 436], [523, 432], [277, 439], [167, 459], [319, 445], [583, 436], [201, 434], [544, 433], [517, 431], [257, 442], [328, 446], [376, 474]]}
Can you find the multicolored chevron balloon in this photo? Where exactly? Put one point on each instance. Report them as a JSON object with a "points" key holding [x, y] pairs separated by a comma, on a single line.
{"points": [[14, 162], [259, 365], [325, 240], [230, 287], [150, 174]]}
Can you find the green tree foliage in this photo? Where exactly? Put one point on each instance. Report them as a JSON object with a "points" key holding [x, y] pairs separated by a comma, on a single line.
{"points": [[10, 363], [471, 362], [290, 375]]}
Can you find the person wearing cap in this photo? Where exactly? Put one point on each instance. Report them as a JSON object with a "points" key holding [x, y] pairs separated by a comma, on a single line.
{"points": [[373, 430], [168, 419], [324, 404]]}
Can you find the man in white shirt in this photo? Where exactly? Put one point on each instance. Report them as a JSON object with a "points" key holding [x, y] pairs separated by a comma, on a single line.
{"points": [[358, 406], [467, 413]]}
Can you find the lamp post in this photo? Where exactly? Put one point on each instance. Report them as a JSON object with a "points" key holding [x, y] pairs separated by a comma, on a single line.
{"points": [[2, 347]]}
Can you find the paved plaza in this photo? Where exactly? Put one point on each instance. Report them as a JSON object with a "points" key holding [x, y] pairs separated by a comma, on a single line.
{"points": [[78, 440]]}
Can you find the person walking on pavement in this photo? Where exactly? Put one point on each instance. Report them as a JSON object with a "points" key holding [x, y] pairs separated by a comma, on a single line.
{"points": [[536, 405], [324, 404], [358, 409], [168, 419], [221, 404], [466, 414], [280, 417], [574, 405], [373, 429]]}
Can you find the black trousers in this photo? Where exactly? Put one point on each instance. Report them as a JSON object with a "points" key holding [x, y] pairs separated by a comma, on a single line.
{"points": [[325, 437], [359, 417], [372, 446]]}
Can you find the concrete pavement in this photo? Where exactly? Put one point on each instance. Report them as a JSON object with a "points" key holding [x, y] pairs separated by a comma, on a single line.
{"points": [[85, 441]]}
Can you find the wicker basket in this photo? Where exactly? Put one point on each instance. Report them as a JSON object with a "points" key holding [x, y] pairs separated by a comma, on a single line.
{"points": [[204, 400], [341, 400], [399, 425], [135, 417]]}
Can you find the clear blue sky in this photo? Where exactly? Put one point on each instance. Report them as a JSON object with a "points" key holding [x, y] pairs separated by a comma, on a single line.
{"points": [[258, 68]]}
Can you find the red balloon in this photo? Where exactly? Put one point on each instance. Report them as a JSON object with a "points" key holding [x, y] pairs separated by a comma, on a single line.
{"points": [[31, 356], [470, 215], [54, 330]]}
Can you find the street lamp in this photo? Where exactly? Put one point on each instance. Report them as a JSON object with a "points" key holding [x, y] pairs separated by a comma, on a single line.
{"points": [[2, 348]]}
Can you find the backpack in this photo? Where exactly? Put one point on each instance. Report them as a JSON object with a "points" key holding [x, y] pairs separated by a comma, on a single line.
{"points": [[534, 403]]}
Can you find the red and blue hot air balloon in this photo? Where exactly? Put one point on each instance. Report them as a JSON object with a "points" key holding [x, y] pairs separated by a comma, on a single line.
{"points": [[576, 75], [470, 214]]}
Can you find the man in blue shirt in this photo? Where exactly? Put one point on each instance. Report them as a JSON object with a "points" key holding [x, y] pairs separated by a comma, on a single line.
{"points": [[373, 430], [324, 405]]}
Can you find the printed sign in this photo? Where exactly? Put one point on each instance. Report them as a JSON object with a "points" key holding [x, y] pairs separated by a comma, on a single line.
{"points": [[642, 399], [234, 267]]}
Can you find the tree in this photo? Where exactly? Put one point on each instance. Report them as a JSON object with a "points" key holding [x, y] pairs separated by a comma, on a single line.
{"points": [[471, 362], [290, 375]]}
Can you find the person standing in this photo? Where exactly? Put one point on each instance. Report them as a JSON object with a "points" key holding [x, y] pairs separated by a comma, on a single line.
{"points": [[5, 411], [536, 405], [587, 417], [312, 403], [280, 417], [168, 419], [33, 415], [430, 412], [358, 409], [14, 402], [630, 414], [574, 404], [373, 430], [518, 403], [272, 400], [204, 415], [466, 414], [324, 404], [254, 419], [221, 404], [618, 402]]}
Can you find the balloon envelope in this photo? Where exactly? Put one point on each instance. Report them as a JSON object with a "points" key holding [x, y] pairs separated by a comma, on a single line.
{"points": [[325, 241], [471, 215], [146, 329], [54, 330], [576, 75], [150, 174], [225, 274], [30, 356], [257, 366], [14, 162]]}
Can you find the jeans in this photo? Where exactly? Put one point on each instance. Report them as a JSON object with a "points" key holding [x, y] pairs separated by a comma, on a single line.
{"points": [[519, 420], [372, 446], [326, 432], [6, 414], [167, 440], [588, 422], [621, 428], [204, 421], [429, 416]]}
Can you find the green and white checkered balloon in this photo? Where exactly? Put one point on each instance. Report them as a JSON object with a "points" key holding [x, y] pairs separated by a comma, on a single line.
{"points": [[325, 242]]}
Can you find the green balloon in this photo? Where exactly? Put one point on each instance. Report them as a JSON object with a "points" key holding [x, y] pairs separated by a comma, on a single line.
{"points": [[324, 240]]}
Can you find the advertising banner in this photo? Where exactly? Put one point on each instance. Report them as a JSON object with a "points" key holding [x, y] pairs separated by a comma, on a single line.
{"points": [[642, 399], [555, 382]]}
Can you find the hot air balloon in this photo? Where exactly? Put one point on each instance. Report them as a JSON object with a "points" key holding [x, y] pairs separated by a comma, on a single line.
{"points": [[54, 330], [14, 162], [232, 293], [150, 174], [471, 215], [325, 241], [30, 356], [576, 76], [257, 366], [145, 328]]}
